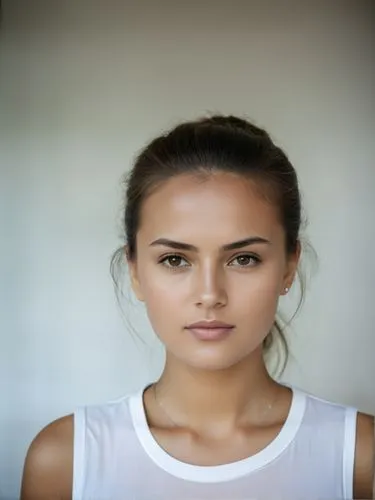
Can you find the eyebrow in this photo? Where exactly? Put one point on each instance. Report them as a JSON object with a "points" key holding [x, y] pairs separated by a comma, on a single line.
{"points": [[179, 245]]}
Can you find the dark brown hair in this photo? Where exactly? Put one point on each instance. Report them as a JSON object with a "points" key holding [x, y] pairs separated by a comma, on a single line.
{"points": [[209, 145]]}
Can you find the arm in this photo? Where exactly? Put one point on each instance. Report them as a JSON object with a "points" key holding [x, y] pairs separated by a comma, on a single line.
{"points": [[48, 469], [364, 464]]}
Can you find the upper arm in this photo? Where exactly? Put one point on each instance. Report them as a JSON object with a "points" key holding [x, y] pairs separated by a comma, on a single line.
{"points": [[364, 464], [48, 469]]}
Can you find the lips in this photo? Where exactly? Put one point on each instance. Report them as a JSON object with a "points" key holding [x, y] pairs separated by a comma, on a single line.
{"points": [[209, 325], [210, 330]]}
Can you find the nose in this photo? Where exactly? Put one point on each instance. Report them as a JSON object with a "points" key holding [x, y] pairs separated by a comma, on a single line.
{"points": [[210, 292]]}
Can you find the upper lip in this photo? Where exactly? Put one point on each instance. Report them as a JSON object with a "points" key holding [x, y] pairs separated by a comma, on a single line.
{"points": [[209, 325]]}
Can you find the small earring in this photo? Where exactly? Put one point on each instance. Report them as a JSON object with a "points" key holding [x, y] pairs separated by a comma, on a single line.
{"points": [[286, 289]]}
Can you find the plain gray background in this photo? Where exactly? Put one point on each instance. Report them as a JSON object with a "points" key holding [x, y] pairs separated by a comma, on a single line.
{"points": [[83, 85]]}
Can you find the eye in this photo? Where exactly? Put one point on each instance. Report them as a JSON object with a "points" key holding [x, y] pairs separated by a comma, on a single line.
{"points": [[173, 261], [245, 260]]}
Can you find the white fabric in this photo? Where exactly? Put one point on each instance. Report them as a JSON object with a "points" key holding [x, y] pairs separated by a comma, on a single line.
{"points": [[116, 457]]}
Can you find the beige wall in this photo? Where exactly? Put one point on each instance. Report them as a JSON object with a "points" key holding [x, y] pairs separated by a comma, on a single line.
{"points": [[83, 85]]}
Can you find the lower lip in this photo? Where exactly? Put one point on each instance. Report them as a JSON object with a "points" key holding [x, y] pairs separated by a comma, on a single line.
{"points": [[210, 333]]}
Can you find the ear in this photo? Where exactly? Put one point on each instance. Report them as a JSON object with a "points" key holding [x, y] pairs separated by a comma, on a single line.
{"points": [[291, 269], [134, 278]]}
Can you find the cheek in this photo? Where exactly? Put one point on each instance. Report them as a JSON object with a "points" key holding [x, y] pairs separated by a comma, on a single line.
{"points": [[255, 307], [255, 298], [158, 285], [163, 294], [264, 281]]}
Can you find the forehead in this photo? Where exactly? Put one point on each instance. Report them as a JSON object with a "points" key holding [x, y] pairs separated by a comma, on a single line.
{"points": [[220, 206]]}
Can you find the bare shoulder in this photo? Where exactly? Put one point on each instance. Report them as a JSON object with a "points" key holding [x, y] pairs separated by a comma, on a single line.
{"points": [[48, 469], [364, 464]]}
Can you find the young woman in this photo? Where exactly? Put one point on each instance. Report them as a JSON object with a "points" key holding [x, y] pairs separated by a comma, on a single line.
{"points": [[212, 227]]}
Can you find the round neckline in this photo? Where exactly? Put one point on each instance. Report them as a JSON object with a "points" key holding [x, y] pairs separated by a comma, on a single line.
{"points": [[216, 473]]}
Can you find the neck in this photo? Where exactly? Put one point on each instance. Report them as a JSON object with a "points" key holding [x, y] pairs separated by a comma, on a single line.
{"points": [[194, 396]]}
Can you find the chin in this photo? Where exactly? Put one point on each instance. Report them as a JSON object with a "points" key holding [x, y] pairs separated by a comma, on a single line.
{"points": [[212, 361]]}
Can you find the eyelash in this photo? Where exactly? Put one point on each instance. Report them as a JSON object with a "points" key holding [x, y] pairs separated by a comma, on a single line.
{"points": [[256, 260]]}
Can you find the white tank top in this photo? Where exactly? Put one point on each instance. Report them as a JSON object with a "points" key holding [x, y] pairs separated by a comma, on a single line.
{"points": [[116, 457]]}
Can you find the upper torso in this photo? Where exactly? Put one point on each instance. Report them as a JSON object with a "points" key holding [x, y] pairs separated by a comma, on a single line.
{"points": [[116, 456]]}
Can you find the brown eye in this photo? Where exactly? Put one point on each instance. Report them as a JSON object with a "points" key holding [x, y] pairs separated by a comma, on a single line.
{"points": [[174, 261], [245, 260]]}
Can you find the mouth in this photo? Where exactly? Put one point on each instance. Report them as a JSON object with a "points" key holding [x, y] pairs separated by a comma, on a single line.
{"points": [[210, 330]]}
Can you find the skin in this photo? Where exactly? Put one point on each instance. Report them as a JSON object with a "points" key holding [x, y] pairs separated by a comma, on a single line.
{"points": [[215, 402]]}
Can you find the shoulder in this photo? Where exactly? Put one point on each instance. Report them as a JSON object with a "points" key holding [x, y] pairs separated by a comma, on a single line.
{"points": [[364, 463], [363, 435], [48, 469]]}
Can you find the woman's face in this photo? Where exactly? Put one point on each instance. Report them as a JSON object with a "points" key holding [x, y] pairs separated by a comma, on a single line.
{"points": [[191, 268]]}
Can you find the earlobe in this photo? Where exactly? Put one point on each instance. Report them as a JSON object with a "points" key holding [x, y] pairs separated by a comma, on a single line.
{"points": [[290, 276], [291, 270], [134, 280], [286, 288]]}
